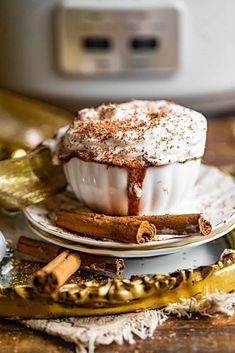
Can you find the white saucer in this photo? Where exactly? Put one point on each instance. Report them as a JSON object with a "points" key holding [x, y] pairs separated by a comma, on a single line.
{"points": [[209, 253], [126, 253], [214, 195]]}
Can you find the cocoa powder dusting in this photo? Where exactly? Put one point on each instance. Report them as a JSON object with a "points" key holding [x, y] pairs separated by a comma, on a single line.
{"points": [[135, 181], [136, 134]]}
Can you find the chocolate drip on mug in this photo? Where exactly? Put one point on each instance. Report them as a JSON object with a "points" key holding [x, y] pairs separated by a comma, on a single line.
{"points": [[134, 189]]}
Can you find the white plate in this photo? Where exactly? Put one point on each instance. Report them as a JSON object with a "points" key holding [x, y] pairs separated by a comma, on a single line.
{"points": [[14, 227], [127, 253], [214, 194], [157, 261]]}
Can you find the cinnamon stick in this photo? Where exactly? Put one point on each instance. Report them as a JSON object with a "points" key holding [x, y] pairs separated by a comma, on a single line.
{"points": [[36, 248], [205, 225], [108, 265], [180, 223], [47, 252], [123, 229], [132, 229], [48, 279]]}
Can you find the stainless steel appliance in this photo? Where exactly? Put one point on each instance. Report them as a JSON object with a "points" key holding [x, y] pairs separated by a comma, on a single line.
{"points": [[78, 52]]}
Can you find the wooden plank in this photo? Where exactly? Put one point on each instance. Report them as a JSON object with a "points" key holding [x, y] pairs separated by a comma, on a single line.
{"points": [[19, 339], [195, 335]]}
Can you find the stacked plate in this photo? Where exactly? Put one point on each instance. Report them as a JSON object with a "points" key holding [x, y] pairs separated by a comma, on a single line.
{"points": [[213, 195]]}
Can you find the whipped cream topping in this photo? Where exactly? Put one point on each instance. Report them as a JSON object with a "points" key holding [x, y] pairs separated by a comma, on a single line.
{"points": [[135, 134]]}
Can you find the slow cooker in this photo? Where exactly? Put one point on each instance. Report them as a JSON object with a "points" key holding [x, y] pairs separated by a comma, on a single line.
{"points": [[79, 52]]}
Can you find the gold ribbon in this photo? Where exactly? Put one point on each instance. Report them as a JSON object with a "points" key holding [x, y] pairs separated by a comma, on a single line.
{"points": [[31, 178]]}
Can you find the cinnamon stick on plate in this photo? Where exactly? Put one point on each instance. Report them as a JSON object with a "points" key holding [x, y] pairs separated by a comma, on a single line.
{"points": [[180, 223], [123, 229], [132, 229], [63, 263]]}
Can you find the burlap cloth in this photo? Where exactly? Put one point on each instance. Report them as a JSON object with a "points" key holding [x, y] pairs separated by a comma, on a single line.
{"points": [[88, 333]]}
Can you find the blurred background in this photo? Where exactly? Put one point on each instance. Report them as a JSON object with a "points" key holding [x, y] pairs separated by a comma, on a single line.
{"points": [[76, 53], [80, 52]]}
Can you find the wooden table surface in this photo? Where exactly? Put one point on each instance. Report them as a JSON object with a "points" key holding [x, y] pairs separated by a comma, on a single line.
{"points": [[200, 335]]}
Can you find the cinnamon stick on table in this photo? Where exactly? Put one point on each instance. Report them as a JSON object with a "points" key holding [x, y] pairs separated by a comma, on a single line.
{"points": [[63, 263], [49, 278], [132, 229], [47, 252]]}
